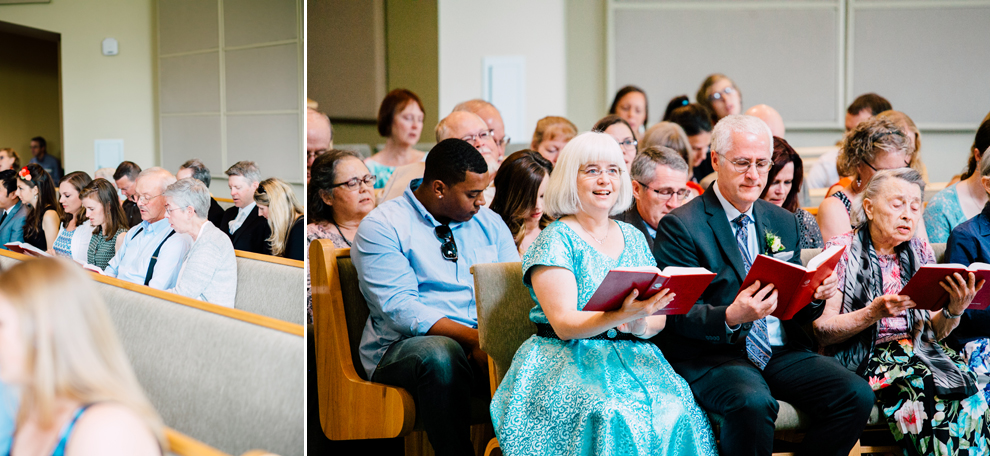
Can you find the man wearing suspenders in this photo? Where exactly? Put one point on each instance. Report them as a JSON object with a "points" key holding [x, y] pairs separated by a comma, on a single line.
{"points": [[152, 252]]}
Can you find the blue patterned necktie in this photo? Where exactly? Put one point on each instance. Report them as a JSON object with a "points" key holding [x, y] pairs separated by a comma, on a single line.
{"points": [[758, 341]]}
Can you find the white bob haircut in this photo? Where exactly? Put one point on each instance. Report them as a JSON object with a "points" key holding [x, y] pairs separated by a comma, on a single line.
{"points": [[739, 123], [561, 197]]}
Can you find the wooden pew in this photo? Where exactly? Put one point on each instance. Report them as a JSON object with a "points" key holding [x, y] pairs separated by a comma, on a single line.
{"points": [[225, 203], [228, 378]]}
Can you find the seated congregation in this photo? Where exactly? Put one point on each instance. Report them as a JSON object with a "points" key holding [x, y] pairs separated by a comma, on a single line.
{"points": [[163, 252], [707, 187]]}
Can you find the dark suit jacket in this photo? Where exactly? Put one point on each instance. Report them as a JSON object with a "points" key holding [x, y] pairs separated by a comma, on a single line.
{"points": [[632, 217], [216, 214], [132, 213], [698, 234], [12, 228], [970, 242], [253, 234]]}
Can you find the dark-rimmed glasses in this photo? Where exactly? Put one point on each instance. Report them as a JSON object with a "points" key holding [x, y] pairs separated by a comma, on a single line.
{"points": [[906, 164], [667, 192], [353, 183], [448, 248]]}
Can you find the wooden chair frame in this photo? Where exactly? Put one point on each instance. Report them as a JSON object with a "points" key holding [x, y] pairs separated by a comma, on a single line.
{"points": [[351, 408]]}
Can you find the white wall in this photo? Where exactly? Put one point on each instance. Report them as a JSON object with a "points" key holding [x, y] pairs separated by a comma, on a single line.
{"points": [[102, 97], [472, 29]]}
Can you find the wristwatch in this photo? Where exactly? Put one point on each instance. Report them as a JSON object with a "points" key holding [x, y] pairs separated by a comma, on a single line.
{"points": [[947, 314]]}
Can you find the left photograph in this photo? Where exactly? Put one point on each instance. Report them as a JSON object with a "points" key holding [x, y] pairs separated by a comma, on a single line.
{"points": [[151, 227]]}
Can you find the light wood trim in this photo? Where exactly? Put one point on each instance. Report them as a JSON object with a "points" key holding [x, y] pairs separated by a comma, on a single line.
{"points": [[492, 376], [183, 445], [237, 314], [813, 210], [224, 200], [269, 258], [351, 408], [492, 446]]}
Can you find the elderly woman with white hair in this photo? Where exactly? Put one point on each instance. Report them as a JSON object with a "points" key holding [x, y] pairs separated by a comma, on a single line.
{"points": [[559, 396], [926, 393], [209, 269]]}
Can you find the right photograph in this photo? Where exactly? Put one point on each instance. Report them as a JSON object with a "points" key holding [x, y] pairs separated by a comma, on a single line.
{"points": [[507, 253]]}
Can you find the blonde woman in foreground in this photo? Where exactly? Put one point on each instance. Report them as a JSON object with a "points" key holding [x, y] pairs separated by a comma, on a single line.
{"points": [[79, 395], [278, 204]]}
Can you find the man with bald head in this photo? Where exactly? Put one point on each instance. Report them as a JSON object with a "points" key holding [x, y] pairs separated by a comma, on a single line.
{"points": [[461, 125], [770, 117], [319, 136], [492, 118], [152, 252]]}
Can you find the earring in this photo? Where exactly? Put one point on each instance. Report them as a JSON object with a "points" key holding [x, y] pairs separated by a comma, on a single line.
{"points": [[440, 197]]}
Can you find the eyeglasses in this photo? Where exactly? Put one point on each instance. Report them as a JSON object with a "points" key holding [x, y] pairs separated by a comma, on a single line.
{"points": [[667, 192], [723, 93], [906, 164], [742, 166], [503, 142], [594, 171], [353, 183], [628, 143], [170, 210], [448, 248], [146, 198], [482, 136]]}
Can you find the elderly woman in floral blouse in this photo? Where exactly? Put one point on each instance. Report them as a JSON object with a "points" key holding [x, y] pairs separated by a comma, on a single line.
{"points": [[924, 389]]}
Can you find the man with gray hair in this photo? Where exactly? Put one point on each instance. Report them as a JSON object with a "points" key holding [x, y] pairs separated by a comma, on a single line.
{"points": [[492, 118], [659, 181], [196, 169], [735, 355], [152, 252], [248, 231]]}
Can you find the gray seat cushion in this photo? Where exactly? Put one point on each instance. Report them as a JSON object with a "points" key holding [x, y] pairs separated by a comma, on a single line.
{"points": [[271, 289]]}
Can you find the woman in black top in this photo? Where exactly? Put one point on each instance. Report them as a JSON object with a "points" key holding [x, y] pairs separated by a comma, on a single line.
{"points": [[37, 191], [278, 204]]}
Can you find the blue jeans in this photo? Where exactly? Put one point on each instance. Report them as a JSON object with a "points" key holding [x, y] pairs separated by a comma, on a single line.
{"points": [[438, 374]]}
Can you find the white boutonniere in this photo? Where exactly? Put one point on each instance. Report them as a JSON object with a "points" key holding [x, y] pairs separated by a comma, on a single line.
{"points": [[773, 242]]}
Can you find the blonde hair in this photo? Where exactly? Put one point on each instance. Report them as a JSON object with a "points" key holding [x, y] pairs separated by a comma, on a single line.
{"points": [[72, 347], [907, 126], [283, 210], [561, 197]]}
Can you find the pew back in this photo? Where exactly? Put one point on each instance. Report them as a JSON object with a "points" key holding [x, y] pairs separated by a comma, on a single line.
{"points": [[270, 286], [503, 314]]}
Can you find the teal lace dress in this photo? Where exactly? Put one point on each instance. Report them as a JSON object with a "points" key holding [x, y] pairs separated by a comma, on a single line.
{"points": [[594, 397], [381, 172], [942, 214]]}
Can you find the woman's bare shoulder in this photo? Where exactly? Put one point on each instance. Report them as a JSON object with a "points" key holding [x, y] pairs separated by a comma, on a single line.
{"points": [[112, 429]]}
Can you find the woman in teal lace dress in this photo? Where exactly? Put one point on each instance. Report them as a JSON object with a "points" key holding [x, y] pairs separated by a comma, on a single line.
{"points": [[591, 382]]}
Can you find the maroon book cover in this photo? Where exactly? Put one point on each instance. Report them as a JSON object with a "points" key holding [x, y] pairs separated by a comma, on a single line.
{"points": [[925, 291], [795, 284], [686, 283]]}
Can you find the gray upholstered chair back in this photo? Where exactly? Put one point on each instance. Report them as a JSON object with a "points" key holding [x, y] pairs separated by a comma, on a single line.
{"points": [[503, 312], [231, 384], [270, 289]]}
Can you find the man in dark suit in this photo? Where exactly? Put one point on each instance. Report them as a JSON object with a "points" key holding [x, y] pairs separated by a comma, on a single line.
{"points": [[12, 212], [659, 181], [196, 169], [126, 179], [734, 354], [248, 231]]}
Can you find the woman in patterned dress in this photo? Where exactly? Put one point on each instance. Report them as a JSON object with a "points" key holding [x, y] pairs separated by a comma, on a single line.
{"points": [[102, 205], [591, 382], [925, 391], [874, 145], [783, 186], [74, 232]]}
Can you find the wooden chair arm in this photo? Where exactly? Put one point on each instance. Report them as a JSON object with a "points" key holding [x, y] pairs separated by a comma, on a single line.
{"points": [[351, 408]]}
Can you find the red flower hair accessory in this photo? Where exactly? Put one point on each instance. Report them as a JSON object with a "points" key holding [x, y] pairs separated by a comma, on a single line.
{"points": [[24, 174]]}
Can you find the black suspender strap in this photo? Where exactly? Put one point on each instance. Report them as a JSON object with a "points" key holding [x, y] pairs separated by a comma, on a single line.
{"points": [[154, 258]]}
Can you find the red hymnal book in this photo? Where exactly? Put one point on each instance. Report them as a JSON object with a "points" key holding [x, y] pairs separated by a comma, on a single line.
{"points": [[687, 283], [25, 249], [795, 284], [924, 290]]}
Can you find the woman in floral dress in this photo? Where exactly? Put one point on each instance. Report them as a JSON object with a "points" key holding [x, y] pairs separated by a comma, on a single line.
{"points": [[925, 391]]}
